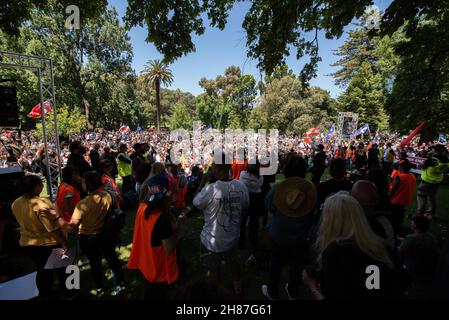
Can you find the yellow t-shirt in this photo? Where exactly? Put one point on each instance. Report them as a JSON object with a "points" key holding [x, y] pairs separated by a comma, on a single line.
{"points": [[91, 211], [35, 228]]}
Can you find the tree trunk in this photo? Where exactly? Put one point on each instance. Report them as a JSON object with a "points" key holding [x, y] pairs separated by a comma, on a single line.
{"points": [[86, 111], [158, 105]]}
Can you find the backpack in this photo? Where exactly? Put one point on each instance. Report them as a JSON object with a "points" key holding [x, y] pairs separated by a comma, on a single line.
{"points": [[114, 222]]}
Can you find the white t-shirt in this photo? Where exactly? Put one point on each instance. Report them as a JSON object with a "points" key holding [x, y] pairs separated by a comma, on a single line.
{"points": [[252, 183], [222, 203]]}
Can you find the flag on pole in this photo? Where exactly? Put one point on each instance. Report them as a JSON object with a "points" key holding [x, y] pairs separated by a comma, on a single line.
{"points": [[37, 110], [364, 129], [330, 133], [376, 136], [139, 128], [124, 129], [442, 138], [313, 132], [412, 135]]}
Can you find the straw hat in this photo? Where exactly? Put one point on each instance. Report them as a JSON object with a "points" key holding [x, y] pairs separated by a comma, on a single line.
{"points": [[295, 197]]}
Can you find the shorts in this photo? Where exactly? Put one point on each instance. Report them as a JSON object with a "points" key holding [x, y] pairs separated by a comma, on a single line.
{"points": [[212, 260]]}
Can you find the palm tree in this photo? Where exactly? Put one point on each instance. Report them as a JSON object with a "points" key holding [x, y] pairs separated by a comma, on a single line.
{"points": [[155, 73]]}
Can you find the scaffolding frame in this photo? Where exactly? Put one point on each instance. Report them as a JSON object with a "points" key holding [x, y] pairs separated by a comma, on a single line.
{"points": [[43, 67]]}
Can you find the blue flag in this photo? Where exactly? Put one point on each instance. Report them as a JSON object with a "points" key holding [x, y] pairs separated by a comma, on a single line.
{"points": [[330, 133], [376, 136], [364, 129], [442, 138], [138, 128]]}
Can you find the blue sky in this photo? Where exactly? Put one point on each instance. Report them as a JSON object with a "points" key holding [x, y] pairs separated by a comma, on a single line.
{"points": [[216, 50]]}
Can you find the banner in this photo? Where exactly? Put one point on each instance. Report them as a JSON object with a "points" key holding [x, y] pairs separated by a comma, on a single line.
{"points": [[412, 135], [442, 138]]}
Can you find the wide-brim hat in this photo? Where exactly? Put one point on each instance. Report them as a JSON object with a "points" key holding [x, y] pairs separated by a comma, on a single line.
{"points": [[295, 197]]}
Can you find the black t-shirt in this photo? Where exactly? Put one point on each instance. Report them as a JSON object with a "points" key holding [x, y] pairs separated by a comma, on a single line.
{"points": [[329, 187], [162, 230]]}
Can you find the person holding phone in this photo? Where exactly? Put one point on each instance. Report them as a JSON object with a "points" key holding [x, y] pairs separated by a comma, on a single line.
{"points": [[40, 232]]}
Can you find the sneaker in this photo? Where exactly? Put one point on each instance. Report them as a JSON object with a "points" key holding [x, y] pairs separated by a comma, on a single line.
{"points": [[83, 261], [251, 260], [238, 288], [99, 292], [265, 292], [288, 293], [117, 290]]}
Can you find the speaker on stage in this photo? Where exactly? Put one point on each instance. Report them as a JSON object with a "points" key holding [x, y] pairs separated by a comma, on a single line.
{"points": [[9, 110]]}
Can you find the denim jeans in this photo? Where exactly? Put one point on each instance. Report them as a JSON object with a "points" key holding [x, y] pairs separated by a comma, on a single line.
{"points": [[426, 197]]}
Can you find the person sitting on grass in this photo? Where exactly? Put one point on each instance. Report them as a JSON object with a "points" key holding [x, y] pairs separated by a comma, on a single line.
{"points": [[222, 203], [156, 259], [89, 219]]}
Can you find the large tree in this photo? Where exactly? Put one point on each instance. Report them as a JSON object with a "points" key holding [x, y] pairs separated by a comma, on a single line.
{"points": [[155, 73], [234, 92], [100, 48], [365, 96], [291, 108]]}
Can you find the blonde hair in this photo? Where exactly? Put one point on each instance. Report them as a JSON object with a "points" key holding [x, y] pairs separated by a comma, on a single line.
{"points": [[343, 218]]}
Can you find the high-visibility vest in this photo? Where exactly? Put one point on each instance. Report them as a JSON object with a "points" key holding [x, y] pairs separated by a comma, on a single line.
{"points": [[155, 264], [434, 174], [124, 169], [62, 191], [404, 196]]}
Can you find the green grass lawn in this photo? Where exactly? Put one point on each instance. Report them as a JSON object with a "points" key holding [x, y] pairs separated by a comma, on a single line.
{"points": [[252, 276]]}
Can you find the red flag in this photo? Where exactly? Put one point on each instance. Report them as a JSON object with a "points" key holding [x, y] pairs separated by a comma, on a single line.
{"points": [[37, 112], [412, 135], [313, 132], [307, 140], [124, 129]]}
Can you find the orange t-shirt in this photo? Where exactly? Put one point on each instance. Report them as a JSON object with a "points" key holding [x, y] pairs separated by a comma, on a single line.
{"points": [[63, 190], [237, 168]]}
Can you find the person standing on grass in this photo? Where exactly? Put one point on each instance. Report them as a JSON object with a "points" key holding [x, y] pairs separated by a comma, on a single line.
{"points": [[419, 254], [155, 240], [253, 181], [94, 157], [68, 193], [401, 193], [319, 164], [222, 202], [431, 177], [124, 168], [291, 203], [40, 233], [346, 247], [76, 158], [106, 170], [89, 219]]}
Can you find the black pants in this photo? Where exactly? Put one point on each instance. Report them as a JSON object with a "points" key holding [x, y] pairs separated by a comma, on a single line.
{"points": [[250, 220], [156, 291], [95, 247], [291, 255], [127, 184], [397, 217], [316, 175], [44, 278]]}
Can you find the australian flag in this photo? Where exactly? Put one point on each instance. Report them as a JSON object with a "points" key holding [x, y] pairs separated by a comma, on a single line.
{"points": [[139, 128], [330, 133]]}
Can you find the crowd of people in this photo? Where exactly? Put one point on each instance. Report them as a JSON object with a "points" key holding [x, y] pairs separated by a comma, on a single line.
{"points": [[329, 233]]}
